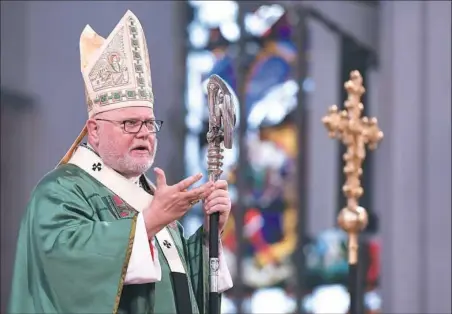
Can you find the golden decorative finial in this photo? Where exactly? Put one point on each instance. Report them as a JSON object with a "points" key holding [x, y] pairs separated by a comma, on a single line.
{"points": [[355, 132]]}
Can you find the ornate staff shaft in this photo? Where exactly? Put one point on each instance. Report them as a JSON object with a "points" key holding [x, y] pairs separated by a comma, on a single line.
{"points": [[222, 104], [355, 132]]}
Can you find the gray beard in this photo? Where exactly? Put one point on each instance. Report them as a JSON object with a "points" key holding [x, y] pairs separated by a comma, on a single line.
{"points": [[124, 165]]}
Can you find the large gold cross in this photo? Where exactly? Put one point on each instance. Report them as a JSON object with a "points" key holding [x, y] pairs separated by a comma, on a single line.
{"points": [[355, 132]]}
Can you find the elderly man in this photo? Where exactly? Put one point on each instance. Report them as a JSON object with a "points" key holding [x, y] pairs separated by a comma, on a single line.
{"points": [[97, 236]]}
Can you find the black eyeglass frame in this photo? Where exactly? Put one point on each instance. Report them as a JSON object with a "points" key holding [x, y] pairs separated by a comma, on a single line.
{"points": [[157, 124]]}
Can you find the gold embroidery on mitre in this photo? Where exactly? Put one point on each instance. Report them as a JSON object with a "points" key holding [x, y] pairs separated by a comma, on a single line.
{"points": [[146, 58], [116, 70], [111, 69]]}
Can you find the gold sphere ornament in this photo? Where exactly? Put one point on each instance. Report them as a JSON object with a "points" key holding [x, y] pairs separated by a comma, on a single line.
{"points": [[353, 221]]}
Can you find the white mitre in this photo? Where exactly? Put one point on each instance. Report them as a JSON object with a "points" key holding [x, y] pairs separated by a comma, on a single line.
{"points": [[116, 70]]}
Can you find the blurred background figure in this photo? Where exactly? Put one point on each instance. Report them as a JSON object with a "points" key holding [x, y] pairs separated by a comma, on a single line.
{"points": [[287, 61]]}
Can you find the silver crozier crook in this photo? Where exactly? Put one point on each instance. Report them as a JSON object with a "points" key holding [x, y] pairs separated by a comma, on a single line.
{"points": [[222, 119]]}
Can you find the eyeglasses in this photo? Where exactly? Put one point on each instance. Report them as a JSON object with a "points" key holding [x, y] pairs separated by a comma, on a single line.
{"points": [[134, 126]]}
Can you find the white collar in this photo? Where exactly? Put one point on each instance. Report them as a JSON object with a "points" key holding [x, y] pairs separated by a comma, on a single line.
{"points": [[135, 180]]}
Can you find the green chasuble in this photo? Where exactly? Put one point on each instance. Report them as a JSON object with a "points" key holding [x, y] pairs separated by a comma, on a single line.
{"points": [[73, 250]]}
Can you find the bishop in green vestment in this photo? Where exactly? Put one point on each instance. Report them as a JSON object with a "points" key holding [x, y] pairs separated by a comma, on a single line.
{"points": [[98, 236]]}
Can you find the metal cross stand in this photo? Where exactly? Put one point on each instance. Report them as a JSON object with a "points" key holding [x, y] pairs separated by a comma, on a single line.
{"points": [[355, 132], [222, 119]]}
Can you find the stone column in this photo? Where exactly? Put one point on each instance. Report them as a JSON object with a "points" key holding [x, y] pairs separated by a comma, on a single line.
{"points": [[324, 67], [413, 163]]}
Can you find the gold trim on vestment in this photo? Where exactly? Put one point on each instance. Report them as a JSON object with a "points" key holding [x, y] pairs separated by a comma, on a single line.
{"points": [[126, 264]]}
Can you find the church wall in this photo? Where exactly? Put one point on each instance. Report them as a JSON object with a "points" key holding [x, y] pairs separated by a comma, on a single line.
{"points": [[412, 193], [18, 133], [324, 57], [438, 103], [14, 45]]}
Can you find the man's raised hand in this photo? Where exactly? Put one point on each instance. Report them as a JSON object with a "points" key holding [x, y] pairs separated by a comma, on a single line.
{"points": [[171, 202]]}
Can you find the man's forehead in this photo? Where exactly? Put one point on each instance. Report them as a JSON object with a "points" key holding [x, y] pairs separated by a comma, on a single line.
{"points": [[132, 112]]}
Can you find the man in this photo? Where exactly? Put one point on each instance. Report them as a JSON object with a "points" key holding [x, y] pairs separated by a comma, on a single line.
{"points": [[97, 236]]}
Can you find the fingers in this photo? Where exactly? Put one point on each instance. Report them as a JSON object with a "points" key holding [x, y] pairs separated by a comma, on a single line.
{"points": [[216, 194], [217, 204], [217, 201], [186, 183], [219, 208], [221, 184], [198, 193], [220, 188], [160, 177]]}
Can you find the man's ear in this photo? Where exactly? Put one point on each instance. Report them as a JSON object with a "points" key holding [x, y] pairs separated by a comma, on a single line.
{"points": [[93, 132]]}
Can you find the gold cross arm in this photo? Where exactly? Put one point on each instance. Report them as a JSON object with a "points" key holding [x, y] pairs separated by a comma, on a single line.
{"points": [[335, 122], [371, 132], [348, 125]]}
